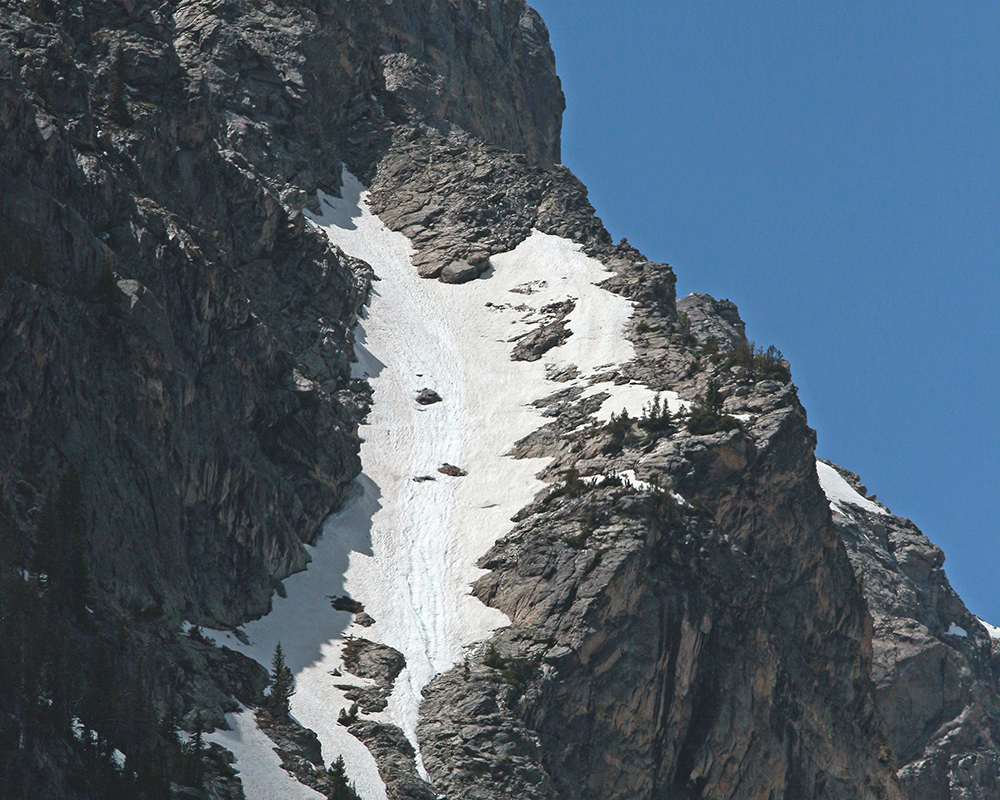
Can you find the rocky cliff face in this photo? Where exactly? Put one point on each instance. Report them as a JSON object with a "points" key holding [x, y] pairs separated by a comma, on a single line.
{"points": [[701, 639], [178, 417], [935, 666]]}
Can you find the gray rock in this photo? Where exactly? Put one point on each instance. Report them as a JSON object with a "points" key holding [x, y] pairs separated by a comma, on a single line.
{"points": [[396, 759], [459, 272], [536, 343], [427, 397], [452, 471], [372, 660], [936, 690]]}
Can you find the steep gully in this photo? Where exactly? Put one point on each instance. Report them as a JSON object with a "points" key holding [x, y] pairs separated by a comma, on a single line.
{"points": [[406, 544]]}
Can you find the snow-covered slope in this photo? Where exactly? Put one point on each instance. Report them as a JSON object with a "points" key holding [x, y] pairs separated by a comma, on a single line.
{"points": [[407, 548], [840, 493]]}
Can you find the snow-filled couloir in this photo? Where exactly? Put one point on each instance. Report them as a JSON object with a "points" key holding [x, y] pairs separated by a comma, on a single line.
{"points": [[407, 543]]}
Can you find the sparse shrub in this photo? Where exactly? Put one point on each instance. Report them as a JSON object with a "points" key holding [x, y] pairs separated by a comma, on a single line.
{"points": [[493, 658], [710, 348], [611, 479], [619, 427], [759, 364], [682, 330], [198, 635], [587, 527], [516, 671], [707, 417], [668, 513], [656, 417], [348, 717], [37, 12], [571, 486]]}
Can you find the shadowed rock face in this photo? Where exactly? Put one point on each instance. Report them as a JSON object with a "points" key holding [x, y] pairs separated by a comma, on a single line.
{"points": [[144, 311], [155, 257]]}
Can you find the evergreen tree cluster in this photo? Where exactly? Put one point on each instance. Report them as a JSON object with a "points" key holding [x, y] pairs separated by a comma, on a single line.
{"points": [[758, 364], [73, 690], [706, 416], [656, 417]]}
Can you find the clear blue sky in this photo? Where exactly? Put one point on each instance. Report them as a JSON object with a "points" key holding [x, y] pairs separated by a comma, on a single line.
{"points": [[834, 169]]}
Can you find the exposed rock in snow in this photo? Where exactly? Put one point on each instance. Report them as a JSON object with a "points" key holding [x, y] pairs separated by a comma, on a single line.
{"points": [[428, 397]]}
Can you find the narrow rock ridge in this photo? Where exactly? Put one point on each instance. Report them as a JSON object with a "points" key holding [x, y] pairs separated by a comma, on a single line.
{"points": [[935, 664]]}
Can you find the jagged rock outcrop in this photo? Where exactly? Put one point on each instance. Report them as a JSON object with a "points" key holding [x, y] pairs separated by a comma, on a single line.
{"points": [[935, 665], [709, 643]]}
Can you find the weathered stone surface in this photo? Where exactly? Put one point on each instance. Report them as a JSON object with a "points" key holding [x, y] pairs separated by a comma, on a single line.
{"points": [[533, 345], [428, 397], [172, 331], [372, 660], [396, 760], [935, 666], [459, 272], [452, 471]]}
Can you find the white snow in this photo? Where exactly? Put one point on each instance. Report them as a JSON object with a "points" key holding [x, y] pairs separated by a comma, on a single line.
{"points": [[992, 630], [839, 492], [633, 398], [260, 768], [956, 630], [407, 549], [311, 635], [627, 477]]}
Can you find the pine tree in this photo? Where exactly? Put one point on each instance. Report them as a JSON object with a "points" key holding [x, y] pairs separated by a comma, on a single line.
{"points": [[282, 685], [341, 788], [194, 770]]}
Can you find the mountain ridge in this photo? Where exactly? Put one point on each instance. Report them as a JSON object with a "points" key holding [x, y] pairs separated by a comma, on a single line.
{"points": [[180, 338]]}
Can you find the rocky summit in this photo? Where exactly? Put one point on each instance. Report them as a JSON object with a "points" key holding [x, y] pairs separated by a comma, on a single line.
{"points": [[344, 454]]}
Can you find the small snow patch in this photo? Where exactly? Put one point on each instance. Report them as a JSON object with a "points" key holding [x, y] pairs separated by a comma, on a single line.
{"points": [[633, 398], [992, 630], [839, 492], [956, 630]]}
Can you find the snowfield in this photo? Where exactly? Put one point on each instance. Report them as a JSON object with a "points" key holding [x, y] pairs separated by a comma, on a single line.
{"points": [[259, 766], [407, 549]]}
